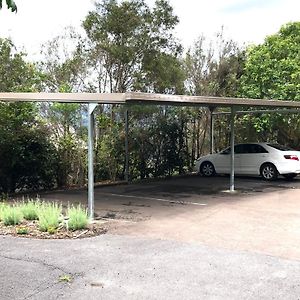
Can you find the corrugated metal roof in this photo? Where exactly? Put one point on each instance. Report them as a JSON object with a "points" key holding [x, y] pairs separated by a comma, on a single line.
{"points": [[146, 98]]}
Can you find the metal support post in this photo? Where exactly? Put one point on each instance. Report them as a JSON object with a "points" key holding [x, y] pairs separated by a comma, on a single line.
{"points": [[212, 146], [126, 146], [91, 108], [232, 149]]}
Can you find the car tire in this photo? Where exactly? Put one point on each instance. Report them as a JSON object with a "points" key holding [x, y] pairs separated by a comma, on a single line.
{"points": [[289, 176], [268, 172], [207, 169]]}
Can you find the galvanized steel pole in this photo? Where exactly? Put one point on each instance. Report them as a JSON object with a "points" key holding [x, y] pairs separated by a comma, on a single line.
{"points": [[212, 146], [126, 146], [232, 149], [91, 108]]}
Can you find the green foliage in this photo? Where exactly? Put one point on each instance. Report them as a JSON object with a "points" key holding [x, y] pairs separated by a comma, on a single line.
{"points": [[213, 67], [26, 154], [65, 278], [2, 208], [10, 5], [78, 218], [22, 230], [11, 215], [49, 216], [272, 71], [272, 68], [130, 45], [16, 75], [69, 140], [31, 164], [30, 209]]}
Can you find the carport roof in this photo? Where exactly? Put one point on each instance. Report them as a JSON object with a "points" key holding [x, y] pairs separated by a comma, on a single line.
{"points": [[146, 98]]}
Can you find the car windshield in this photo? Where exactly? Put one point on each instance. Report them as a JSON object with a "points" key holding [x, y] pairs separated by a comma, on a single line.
{"points": [[280, 147]]}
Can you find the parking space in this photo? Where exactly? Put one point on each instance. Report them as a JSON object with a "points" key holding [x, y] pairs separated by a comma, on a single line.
{"points": [[260, 216]]}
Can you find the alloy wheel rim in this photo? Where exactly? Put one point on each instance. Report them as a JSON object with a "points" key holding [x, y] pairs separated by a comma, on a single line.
{"points": [[207, 169], [268, 172]]}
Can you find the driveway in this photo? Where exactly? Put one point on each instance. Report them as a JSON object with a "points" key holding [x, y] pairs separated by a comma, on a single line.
{"points": [[184, 238]]}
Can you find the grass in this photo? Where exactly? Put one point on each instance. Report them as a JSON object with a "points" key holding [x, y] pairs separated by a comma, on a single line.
{"points": [[30, 209], [2, 207], [78, 218], [49, 215], [11, 215]]}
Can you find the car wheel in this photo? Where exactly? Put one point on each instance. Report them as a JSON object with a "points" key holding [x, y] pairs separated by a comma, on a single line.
{"points": [[207, 169], [268, 172], [289, 176]]}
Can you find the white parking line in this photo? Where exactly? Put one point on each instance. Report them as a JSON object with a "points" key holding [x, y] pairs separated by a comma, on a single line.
{"points": [[157, 199]]}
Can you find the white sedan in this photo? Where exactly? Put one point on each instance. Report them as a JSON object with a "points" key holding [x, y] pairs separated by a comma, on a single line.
{"points": [[265, 159]]}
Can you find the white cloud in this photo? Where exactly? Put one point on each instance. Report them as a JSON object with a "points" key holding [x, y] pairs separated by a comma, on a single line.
{"points": [[243, 20]]}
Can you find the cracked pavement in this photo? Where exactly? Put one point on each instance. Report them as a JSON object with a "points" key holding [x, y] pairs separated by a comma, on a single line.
{"points": [[122, 267], [169, 240]]}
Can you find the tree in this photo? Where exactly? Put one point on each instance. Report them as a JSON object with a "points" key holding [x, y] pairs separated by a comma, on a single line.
{"points": [[272, 71], [64, 63], [130, 45], [16, 74], [213, 68], [10, 5], [26, 155]]}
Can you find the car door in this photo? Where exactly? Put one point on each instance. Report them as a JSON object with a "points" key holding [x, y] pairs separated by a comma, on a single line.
{"points": [[222, 162], [239, 152], [251, 160]]}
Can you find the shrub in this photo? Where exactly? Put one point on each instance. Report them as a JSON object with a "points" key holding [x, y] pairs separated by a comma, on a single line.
{"points": [[78, 218], [49, 216], [30, 209], [11, 215]]}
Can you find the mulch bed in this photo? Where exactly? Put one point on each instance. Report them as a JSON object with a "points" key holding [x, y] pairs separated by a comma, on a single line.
{"points": [[93, 229]]}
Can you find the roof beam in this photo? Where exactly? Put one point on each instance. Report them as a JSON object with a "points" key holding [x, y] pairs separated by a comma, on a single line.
{"points": [[146, 98]]}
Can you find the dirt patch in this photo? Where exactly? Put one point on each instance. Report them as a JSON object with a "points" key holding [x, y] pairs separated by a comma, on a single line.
{"points": [[29, 229]]}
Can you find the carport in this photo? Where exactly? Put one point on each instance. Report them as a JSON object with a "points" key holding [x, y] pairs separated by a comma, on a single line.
{"points": [[235, 106]]}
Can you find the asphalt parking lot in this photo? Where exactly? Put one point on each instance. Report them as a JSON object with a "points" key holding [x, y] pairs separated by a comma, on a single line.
{"points": [[181, 238], [260, 216]]}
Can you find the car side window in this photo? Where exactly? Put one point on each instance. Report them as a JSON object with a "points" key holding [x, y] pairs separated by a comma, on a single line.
{"points": [[226, 151], [258, 149], [240, 149]]}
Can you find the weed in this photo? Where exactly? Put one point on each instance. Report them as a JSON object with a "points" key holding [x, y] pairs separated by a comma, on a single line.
{"points": [[78, 218], [49, 216], [11, 215], [65, 278], [51, 229], [22, 230]]}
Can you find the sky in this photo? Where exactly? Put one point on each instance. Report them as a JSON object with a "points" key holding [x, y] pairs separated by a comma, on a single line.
{"points": [[244, 21]]}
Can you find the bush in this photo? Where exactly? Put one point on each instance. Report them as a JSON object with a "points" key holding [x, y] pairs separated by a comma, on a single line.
{"points": [[78, 218], [30, 209], [49, 215], [11, 215]]}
